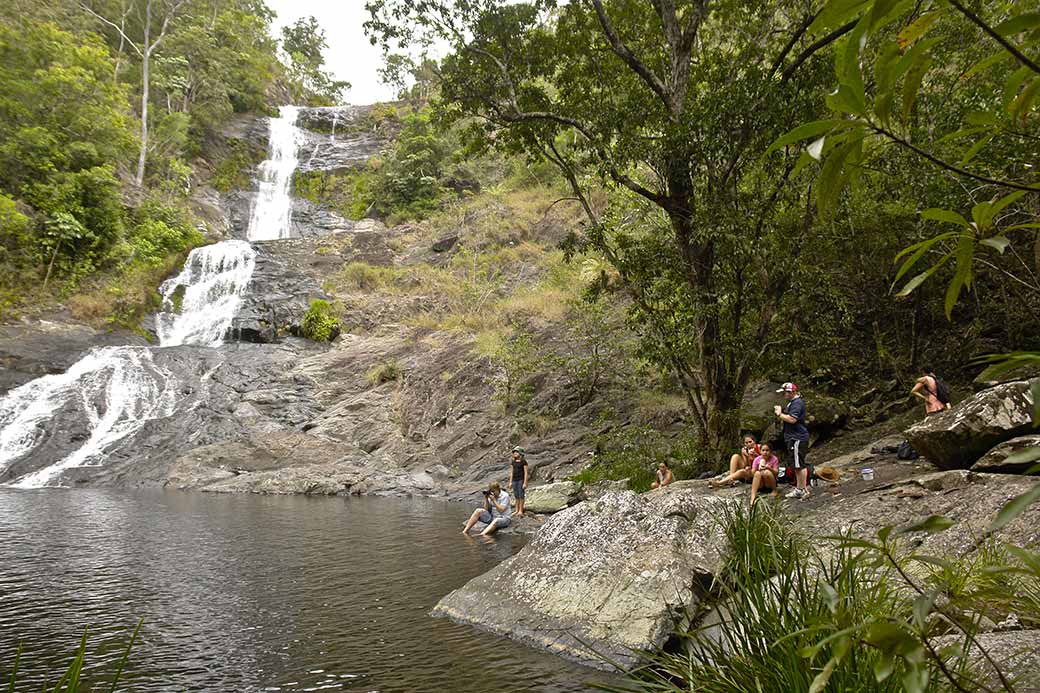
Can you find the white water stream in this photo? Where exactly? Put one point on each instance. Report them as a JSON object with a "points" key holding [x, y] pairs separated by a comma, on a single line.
{"points": [[116, 390], [273, 209]]}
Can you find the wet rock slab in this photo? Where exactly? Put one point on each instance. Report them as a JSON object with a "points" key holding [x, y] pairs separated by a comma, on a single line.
{"points": [[607, 576]]}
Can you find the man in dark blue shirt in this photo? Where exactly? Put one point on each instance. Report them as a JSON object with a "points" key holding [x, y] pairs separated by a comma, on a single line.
{"points": [[796, 437]]}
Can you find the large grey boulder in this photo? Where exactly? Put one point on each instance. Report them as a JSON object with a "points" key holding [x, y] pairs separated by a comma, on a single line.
{"points": [[996, 459], [552, 498], [606, 577], [958, 437]]}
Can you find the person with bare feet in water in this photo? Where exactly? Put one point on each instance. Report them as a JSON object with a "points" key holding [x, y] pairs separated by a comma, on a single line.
{"points": [[494, 513]]}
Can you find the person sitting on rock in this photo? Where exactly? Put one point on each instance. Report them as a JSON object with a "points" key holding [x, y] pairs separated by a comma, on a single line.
{"points": [[745, 456], [518, 478], [933, 392], [494, 513], [764, 471], [664, 476]]}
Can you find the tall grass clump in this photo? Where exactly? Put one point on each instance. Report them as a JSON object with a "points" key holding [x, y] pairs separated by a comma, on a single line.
{"points": [[847, 613], [71, 679]]}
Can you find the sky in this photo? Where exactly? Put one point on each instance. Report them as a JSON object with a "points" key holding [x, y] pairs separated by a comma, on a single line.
{"points": [[349, 56]]}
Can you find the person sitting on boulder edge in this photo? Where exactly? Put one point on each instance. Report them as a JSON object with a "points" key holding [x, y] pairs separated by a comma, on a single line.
{"points": [[741, 473], [764, 470], [664, 476], [796, 437], [494, 513], [933, 392], [743, 458], [518, 478]]}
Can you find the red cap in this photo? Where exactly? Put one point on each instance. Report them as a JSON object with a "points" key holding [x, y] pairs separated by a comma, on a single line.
{"points": [[788, 387]]}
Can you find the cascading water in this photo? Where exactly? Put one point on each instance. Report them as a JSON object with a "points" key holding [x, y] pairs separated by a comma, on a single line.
{"points": [[272, 211], [200, 302], [115, 391]]}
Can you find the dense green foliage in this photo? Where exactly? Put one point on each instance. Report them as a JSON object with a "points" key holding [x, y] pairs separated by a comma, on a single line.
{"points": [[728, 267], [633, 453], [319, 322], [105, 109], [422, 169], [304, 43]]}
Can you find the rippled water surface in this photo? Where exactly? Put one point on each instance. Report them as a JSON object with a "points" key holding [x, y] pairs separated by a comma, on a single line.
{"points": [[249, 593]]}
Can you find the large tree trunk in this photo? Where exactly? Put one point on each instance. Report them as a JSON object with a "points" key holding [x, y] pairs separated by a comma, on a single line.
{"points": [[147, 54]]}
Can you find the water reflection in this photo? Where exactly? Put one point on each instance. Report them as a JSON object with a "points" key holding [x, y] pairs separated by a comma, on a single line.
{"points": [[254, 593]]}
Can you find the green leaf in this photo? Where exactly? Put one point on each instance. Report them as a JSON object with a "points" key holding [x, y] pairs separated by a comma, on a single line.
{"points": [[922, 607], [965, 253], [982, 118], [835, 13], [1023, 103], [919, 28], [885, 81], [920, 278], [847, 100], [986, 63], [1016, 25], [916, 679], [934, 560], [884, 11], [807, 131], [982, 214], [1003, 202], [946, 215], [998, 243], [884, 668], [849, 73], [1013, 85], [834, 175], [1015, 507], [1033, 225], [916, 64], [888, 637], [933, 524], [974, 150], [1034, 391], [1022, 456]]}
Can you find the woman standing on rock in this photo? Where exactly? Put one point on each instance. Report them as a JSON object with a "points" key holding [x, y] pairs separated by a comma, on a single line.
{"points": [[518, 477]]}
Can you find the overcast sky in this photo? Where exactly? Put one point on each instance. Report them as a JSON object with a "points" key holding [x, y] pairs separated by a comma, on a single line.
{"points": [[349, 56]]}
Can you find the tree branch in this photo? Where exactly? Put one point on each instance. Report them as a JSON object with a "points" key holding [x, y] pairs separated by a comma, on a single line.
{"points": [[115, 26], [813, 48], [623, 52], [950, 167], [1007, 45]]}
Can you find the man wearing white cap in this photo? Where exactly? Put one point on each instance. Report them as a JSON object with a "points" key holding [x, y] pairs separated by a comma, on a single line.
{"points": [[796, 437]]}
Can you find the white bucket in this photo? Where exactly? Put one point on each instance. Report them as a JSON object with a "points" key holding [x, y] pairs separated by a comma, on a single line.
{"points": [[867, 473]]}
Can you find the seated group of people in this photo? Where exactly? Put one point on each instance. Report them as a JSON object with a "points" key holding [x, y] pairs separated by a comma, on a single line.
{"points": [[755, 463]]}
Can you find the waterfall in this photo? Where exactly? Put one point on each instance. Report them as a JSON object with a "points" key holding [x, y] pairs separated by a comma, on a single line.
{"points": [[200, 302], [272, 211], [115, 391]]}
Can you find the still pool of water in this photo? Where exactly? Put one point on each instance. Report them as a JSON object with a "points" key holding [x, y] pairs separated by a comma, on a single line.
{"points": [[253, 593]]}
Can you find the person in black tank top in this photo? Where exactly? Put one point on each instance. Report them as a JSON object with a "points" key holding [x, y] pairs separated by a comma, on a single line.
{"points": [[518, 477]]}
